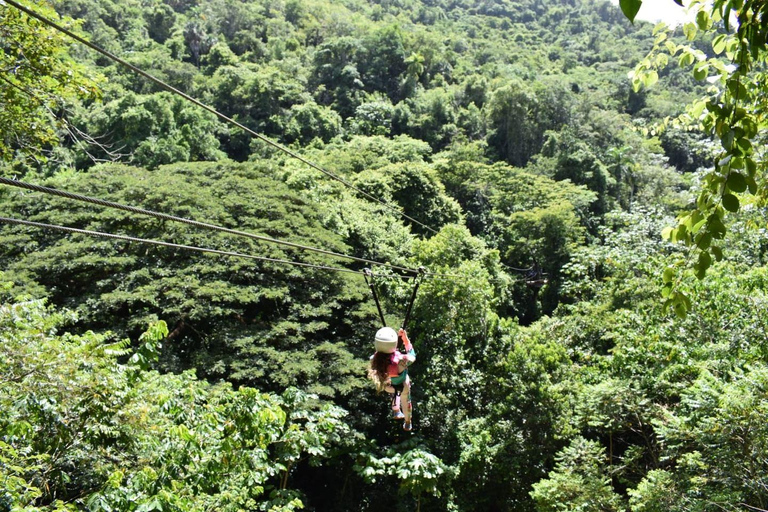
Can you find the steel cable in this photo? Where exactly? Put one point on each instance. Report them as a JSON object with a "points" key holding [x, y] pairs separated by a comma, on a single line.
{"points": [[165, 216], [213, 111], [169, 244]]}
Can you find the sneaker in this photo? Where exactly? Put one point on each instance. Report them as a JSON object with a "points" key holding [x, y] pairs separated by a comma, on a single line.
{"points": [[407, 426], [397, 415]]}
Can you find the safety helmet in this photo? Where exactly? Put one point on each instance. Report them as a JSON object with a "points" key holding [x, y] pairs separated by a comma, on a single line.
{"points": [[386, 340]]}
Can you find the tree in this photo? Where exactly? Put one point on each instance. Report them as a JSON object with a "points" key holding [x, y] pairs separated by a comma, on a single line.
{"points": [[579, 165], [261, 98], [235, 318], [716, 437], [310, 121], [384, 62], [198, 42], [734, 115], [160, 21], [373, 117], [416, 189], [152, 130], [429, 116], [336, 74], [80, 429], [513, 135], [519, 115], [579, 481], [417, 471], [38, 81]]}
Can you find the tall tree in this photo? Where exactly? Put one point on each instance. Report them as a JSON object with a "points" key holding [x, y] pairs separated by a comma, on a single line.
{"points": [[38, 80]]}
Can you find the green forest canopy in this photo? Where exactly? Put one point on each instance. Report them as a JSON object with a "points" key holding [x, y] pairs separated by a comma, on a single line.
{"points": [[511, 130]]}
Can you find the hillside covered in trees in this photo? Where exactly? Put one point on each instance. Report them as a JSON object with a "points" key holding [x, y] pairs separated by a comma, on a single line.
{"points": [[527, 154]]}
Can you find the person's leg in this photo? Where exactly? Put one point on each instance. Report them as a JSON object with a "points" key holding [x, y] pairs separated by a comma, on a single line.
{"points": [[396, 412], [405, 401], [395, 398]]}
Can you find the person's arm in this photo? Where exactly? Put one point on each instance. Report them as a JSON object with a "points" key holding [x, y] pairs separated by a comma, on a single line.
{"points": [[410, 354]]}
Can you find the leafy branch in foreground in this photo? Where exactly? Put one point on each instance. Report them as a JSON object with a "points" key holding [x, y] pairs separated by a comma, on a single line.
{"points": [[37, 78], [80, 429], [733, 114]]}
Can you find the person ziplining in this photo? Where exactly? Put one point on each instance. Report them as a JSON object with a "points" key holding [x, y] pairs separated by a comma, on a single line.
{"points": [[388, 367], [389, 371]]}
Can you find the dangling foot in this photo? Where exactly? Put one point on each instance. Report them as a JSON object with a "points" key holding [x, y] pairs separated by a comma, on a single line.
{"points": [[397, 415], [407, 426]]}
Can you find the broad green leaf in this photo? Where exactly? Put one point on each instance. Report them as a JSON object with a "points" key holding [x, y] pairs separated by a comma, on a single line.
{"points": [[727, 139], [751, 166], [718, 44], [686, 59], [716, 227], [630, 8], [681, 233], [671, 47], [702, 202], [697, 109], [745, 145], [705, 260], [668, 275], [650, 79], [731, 202], [702, 20], [736, 88], [704, 241], [690, 30], [700, 71], [724, 161], [751, 185], [750, 127], [686, 301], [736, 182]]}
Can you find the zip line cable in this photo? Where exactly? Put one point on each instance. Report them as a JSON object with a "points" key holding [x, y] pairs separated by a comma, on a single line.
{"points": [[229, 120], [213, 111], [41, 225], [445, 276], [101, 234], [172, 245], [165, 216]]}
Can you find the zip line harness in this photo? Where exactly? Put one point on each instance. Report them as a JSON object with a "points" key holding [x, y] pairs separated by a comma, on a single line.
{"points": [[372, 285]]}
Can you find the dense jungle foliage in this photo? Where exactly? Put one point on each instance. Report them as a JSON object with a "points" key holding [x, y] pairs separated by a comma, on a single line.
{"points": [[567, 358]]}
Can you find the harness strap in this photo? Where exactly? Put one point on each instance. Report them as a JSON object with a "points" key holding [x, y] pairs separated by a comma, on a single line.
{"points": [[416, 284], [366, 273]]}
